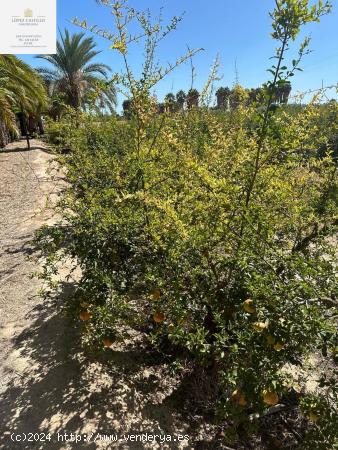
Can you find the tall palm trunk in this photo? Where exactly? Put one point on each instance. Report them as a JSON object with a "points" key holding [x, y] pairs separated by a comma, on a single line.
{"points": [[24, 128], [4, 135], [40, 126]]}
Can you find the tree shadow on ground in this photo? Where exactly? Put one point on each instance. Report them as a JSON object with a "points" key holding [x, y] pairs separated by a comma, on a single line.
{"points": [[63, 390], [21, 146]]}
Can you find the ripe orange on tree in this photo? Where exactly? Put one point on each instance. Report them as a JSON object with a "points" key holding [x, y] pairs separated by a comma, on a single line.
{"points": [[107, 343], [85, 315], [238, 397], [278, 346], [158, 317], [270, 398], [260, 326], [248, 306]]}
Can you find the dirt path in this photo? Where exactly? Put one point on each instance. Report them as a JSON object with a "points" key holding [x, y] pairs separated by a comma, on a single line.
{"points": [[24, 184], [47, 385]]}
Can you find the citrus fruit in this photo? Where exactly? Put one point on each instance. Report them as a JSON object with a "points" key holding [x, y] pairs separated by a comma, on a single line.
{"points": [[238, 397], [260, 326], [278, 346], [85, 315], [276, 443], [270, 398], [107, 342], [158, 317], [248, 306]]}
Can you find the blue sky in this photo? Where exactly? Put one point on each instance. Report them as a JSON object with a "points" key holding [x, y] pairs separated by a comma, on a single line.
{"points": [[235, 30]]}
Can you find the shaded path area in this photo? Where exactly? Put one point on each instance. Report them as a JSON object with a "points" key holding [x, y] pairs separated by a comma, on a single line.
{"points": [[47, 384]]}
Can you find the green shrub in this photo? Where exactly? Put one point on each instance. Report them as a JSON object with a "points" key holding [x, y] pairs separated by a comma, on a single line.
{"points": [[208, 230]]}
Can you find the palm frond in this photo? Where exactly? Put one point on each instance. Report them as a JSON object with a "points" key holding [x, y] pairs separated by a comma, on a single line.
{"points": [[72, 70]]}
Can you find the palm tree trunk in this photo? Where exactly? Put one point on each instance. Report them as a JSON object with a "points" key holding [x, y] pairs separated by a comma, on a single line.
{"points": [[40, 126], [28, 142], [4, 135], [24, 128]]}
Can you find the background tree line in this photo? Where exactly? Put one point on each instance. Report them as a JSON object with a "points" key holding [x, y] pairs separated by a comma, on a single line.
{"points": [[226, 99]]}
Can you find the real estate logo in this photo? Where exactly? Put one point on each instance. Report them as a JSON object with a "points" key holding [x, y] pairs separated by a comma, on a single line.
{"points": [[28, 26], [28, 12]]}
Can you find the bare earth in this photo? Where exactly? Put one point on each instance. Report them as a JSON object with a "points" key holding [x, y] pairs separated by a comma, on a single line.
{"points": [[47, 384]]}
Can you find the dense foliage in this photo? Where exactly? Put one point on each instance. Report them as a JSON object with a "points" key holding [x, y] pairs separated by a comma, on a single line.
{"points": [[21, 91], [211, 232]]}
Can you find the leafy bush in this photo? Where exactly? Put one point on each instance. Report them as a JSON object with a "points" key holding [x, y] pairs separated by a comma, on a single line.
{"points": [[210, 231]]}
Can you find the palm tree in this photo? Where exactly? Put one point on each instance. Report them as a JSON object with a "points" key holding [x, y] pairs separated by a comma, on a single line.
{"points": [[74, 75], [192, 98], [181, 99], [126, 105], [21, 91], [222, 96], [283, 92], [170, 102], [256, 96]]}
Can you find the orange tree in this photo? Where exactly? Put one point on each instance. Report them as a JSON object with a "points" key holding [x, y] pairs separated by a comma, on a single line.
{"points": [[212, 231]]}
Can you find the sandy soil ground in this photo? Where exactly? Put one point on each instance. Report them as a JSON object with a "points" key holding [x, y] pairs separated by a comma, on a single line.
{"points": [[47, 384]]}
